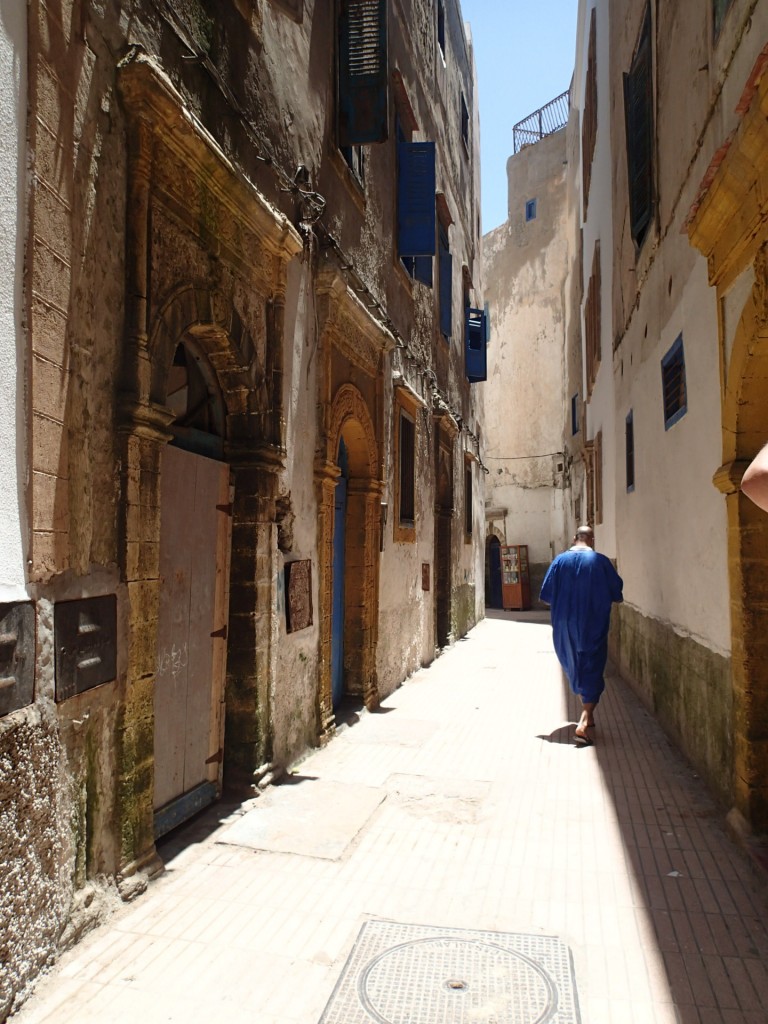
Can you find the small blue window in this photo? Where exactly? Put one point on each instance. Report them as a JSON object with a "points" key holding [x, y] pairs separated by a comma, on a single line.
{"points": [[673, 385], [575, 414], [629, 437], [530, 210]]}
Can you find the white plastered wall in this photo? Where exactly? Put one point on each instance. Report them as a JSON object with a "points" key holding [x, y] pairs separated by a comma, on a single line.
{"points": [[13, 78], [599, 226]]}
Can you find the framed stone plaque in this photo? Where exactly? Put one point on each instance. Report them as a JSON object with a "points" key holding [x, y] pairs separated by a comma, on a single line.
{"points": [[298, 595]]}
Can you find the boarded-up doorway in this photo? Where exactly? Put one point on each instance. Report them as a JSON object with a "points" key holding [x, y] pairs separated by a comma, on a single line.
{"points": [[191, 648]]}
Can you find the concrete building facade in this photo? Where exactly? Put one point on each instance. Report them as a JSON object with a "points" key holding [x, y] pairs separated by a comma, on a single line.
{"points": [[253, 338], [526, 265]]}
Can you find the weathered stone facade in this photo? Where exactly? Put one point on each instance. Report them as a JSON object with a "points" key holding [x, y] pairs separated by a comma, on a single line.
{"points": [[527, 263], [208, 271]]}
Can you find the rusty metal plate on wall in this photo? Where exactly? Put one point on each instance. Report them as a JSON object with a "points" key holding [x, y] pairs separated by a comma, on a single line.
{"points": [[86, 644], [298, 595], [423, 975], [17, 656]]}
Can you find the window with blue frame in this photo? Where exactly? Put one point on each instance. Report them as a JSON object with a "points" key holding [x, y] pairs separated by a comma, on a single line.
{"points": [[363, 92], [530, 210], [674, 390], [416, 214], [477, 333], [629, 450], [575, 414]]}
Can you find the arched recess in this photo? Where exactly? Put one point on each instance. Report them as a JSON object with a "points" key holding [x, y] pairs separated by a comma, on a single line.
{"points": [[241, 246], [493, 591], [223, 366], [351, 420], [729, 225]]}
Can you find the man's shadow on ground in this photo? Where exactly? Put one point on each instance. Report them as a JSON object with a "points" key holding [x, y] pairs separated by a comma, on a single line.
{"points": [[564, 735]]}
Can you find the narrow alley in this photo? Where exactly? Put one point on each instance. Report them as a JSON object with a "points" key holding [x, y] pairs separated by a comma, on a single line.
{"points": [[450, 857]]}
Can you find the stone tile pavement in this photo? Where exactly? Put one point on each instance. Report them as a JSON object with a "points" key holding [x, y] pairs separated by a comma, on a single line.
{"points": [[462, 804]]}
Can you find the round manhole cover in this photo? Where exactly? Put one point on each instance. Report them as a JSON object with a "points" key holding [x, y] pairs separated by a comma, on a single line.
{"points": [[456, 981]]}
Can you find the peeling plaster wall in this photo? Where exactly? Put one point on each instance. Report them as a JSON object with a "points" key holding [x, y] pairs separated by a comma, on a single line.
{"points": [[13, 190], [526, 264]]}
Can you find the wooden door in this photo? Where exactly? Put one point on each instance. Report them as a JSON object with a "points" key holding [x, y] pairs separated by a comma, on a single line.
{"points": [[191, 649]]}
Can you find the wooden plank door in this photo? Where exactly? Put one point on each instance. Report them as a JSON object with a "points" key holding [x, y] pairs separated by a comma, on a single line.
{"points": [[191, 651]]}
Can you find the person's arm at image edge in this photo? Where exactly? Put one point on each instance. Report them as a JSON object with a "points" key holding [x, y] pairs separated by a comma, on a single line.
{"points": [[754, 483]]}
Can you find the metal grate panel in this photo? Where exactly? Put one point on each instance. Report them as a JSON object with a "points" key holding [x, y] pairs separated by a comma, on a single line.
{"points": [[415, 974]]}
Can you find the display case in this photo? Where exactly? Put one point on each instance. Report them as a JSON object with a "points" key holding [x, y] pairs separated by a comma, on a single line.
{"points": [[515, 577]]}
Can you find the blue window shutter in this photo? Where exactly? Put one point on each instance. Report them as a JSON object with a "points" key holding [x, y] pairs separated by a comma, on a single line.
{"points": [[446, 292], [363, 72], [422, 269], [416, 199], [476, 360]]}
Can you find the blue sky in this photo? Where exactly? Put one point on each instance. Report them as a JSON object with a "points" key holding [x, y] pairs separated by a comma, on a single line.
{"points": [[525, 53]]}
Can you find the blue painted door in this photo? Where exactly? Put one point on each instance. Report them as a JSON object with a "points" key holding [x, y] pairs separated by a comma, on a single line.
{"points": [[337, 615]]}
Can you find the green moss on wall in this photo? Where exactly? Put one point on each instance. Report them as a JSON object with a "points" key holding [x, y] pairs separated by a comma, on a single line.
{"points": [[687, 686], [463, 609]]}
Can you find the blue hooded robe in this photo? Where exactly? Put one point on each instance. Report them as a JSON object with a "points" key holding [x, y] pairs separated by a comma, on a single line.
{"points": [[580, 587]]}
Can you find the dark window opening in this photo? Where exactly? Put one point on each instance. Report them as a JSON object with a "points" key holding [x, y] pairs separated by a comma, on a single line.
{"points": [[468, 511], [354, 157], [638, 111], [589, 120], [629, 437], [464, 123], [441, 27], [575, 414], [407, 457], [446, 283], [530, 210], [673, 384]]}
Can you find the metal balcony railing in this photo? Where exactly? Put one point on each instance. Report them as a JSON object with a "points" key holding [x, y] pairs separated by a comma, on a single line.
{"points": [[542, 122]]}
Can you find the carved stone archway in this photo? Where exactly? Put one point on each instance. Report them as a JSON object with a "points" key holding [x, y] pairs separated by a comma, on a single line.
{"points": [[353, 348], [351, 420], [729, 225], [167, 151]]}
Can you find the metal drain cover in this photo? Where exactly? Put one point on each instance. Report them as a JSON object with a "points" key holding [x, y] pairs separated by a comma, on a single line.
{"points": [[413, 974]]}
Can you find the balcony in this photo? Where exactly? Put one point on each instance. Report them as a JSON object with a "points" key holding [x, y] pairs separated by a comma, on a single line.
{"points": [[542, 122]]}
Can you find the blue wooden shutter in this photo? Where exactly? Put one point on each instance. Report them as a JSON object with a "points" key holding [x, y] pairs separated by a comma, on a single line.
{"points": [[422, 269], [476, 361], [363, 69], [638, 112], [446, 292], [416, 199]]}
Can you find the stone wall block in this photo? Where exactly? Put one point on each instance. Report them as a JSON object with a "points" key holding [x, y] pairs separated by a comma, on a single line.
{"points": [[50, 388], [50, 503], [49, 446]]}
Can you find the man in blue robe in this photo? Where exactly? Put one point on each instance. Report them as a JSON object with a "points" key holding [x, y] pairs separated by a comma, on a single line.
{"points": [[580, 587]]}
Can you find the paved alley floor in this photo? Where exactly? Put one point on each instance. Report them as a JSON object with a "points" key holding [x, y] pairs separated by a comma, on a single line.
{"points": [[453, 857]]}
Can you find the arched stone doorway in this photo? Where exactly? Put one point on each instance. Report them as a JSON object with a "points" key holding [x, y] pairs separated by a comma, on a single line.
{"points": [[205, 265], [352, 433], [729, 225], [493, 592]]}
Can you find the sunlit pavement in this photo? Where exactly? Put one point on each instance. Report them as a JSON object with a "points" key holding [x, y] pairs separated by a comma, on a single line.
{"points": [[463, 804]]}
